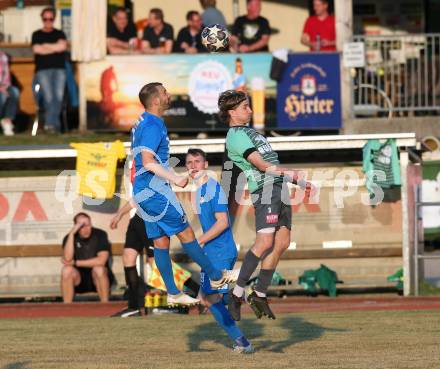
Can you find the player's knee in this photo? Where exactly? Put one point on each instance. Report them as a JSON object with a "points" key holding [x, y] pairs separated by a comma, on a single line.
{"points": [[129, 258], [68, 272], [187, 235], [99, 271]]}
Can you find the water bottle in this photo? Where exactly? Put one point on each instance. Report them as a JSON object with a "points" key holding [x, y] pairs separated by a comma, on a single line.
{"points": [[318, 42]]}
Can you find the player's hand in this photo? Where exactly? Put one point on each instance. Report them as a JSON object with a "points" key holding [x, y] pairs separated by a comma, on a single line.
{"points": [[201, 242], [181, 181], [243, 48], [76, 227], [114, 222], [66, 262]]}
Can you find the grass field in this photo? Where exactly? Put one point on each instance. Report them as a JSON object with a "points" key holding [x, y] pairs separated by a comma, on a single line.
{"points": [[387, 339]]}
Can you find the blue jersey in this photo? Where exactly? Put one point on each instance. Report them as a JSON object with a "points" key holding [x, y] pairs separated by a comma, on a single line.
{"points": [[211, 199], [149, 133]]}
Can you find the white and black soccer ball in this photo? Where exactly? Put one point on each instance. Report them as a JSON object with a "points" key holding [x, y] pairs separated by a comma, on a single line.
{"points": [[215, 38]]}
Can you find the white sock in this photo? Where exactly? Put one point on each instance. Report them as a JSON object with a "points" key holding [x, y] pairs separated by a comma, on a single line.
{"points": [[260, 294], [238, 291]]}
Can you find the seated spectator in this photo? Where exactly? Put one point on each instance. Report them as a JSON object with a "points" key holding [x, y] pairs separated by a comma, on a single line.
{"points": [[9, 96], [121, 34], [86, 253], [158, 36], [250, 32], [189, 39], [211, 15], [319, 30], [49, 46]]}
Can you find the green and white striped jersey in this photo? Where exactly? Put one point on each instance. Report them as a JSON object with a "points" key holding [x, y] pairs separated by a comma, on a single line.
{"points": [[241, 141]]}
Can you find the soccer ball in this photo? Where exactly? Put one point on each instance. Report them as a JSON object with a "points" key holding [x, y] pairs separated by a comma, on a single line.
{"points": [[215, 38]]}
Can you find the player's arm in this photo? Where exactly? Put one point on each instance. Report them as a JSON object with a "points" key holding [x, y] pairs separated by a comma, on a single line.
{"points": [[150, 163], [99, 260], [116, 46], [305, 40], [222, 222], [121, 212], [264, 166], [261, 43], [68, 251]]}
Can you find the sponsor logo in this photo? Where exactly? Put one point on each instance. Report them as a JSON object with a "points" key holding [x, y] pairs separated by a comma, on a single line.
{"points": [[305, 99], [206, 81], [271, 218]]}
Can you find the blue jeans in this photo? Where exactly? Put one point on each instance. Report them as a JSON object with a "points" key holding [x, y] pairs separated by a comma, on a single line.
{"points": [[9, 103], [52, 85]]}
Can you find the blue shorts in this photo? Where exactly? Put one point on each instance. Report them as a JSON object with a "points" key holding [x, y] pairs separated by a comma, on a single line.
{"points": [[205, 284], [163, 215]]}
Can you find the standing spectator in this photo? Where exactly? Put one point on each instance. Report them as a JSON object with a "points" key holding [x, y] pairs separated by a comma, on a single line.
{"points": [[158, 35], [211, 15], [189, 39], [49, 46], [251, 32], [86, 252], [319, 30], [121, 33], [9, 96]]}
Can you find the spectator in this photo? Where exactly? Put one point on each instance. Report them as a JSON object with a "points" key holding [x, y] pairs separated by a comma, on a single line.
{"points": [[189, 39], [9, 96], [158, 35], [211, 15], [49, 46], [121, 33], [251, 32], [86, 253], [319, 30]]}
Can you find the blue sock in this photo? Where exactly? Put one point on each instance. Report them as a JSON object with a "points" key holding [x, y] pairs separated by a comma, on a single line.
{"points": [[163, 263], [196, 253], [224, 319]]}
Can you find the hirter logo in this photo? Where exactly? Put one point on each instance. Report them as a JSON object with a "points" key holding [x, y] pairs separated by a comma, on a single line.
{"points": [[271, 218]]}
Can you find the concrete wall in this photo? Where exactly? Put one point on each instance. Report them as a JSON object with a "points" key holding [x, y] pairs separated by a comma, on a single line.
{"points": [[32, 213], [287, 17]]}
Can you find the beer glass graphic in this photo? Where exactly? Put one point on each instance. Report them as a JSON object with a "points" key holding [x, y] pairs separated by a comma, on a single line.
{"points": [[257, 85]]}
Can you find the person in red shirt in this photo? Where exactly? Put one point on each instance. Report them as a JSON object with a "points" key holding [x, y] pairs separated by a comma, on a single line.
{"points": [[319, 30]]}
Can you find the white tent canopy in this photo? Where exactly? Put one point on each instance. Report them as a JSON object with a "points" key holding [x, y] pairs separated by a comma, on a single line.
{"points": [[89, 23]]}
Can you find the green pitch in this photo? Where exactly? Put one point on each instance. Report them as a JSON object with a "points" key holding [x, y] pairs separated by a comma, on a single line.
{"points": [[313, 340]]}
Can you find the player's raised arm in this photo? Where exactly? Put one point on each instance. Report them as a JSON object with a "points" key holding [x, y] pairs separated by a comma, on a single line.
{"points": [[150, 163], [269, 168]]}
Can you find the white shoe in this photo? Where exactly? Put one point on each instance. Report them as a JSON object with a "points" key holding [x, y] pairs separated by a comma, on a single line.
{"points": [[228, 276], [181, 299], [8, 128], [243, 349]]}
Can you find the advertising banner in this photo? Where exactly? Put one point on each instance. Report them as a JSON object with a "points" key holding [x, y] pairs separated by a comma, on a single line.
{"points": [[309, 94], [194, 82]]}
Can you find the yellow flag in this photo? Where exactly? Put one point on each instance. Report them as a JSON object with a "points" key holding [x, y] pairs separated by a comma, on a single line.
{"points": [[155, 280]]}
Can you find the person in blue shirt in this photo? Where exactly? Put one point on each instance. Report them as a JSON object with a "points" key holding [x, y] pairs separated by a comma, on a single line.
{"points": [[211, 206], [156, 202]]}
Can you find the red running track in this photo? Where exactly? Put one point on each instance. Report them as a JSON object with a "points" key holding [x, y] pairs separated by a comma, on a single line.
{"points": [[288, 305]]}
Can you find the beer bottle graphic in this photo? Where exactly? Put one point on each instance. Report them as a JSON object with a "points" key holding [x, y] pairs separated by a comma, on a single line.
{"points": [[239, 81]]}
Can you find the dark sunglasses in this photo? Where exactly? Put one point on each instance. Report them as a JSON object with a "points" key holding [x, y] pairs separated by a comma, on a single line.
{"points": [[48, 19]]}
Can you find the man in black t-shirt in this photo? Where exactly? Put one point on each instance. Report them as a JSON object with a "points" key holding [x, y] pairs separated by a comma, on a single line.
{"points": [[86, 253], [49, 46], [158, 35], [251, 32], [121, 34], [189, 39]]}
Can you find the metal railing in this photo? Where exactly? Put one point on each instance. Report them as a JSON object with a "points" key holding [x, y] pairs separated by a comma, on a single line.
{"points": [[401, 75]]}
